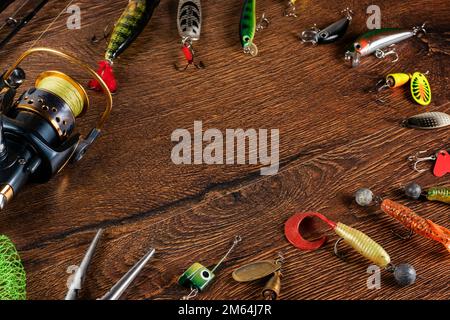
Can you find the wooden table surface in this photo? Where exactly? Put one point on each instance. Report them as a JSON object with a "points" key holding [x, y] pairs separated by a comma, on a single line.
{"points": [[335, 138]]}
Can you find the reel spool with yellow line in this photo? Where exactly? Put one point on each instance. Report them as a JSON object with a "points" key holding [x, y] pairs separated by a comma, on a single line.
{"points": [[37, 132]]}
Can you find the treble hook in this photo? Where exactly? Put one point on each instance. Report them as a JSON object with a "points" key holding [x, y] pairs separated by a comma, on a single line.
{"points": [[189, 54], [380, 54], [263, 23], [417, 160], [403, 237], [290, 10], [348, 13]]}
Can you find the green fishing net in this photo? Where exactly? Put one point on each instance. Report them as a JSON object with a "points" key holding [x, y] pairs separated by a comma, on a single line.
{"points": [[12, 273]]}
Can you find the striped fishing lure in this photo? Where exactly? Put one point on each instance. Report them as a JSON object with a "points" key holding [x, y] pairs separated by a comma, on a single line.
{"points": [[131, 23], [420, 89], [129, 26], [440, 194], [189, 19], [189, 22], [247, 27]]}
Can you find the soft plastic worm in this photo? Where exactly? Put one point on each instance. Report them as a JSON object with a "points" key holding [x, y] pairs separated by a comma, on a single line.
{"points": [[424, 227], [363, 244], [439, 194], [359, 241]]}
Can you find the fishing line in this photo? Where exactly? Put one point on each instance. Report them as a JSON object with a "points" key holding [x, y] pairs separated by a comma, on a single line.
{"points": [[51, 24], [65, 88]]}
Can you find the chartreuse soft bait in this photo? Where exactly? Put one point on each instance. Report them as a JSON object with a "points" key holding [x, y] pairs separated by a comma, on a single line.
{"points": [[415, 191], [419, 85], [197, 277], [407, 217], [363, 244]]}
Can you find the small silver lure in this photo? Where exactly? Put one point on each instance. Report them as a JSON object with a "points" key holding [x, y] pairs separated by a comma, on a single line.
{"points": [[428, 121], [189, 22]]}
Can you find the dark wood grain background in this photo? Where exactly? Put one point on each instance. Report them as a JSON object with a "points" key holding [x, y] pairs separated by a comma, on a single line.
{"points": [[335, 138]]}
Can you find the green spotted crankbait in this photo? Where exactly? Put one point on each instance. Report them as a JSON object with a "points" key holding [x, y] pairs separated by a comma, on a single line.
{"points": [[197, 277], [248, 27], [131, 23], [440, 194]]}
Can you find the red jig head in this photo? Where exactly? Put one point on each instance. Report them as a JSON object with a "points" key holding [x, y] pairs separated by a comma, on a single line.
{"points": [[292, 232]]}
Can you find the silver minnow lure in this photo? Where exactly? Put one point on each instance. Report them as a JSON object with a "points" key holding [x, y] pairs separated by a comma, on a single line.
{"points": [[378, 42], [189, 19], [428, 120]]}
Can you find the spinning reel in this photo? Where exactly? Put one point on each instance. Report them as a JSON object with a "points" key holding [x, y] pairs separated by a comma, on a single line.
{"points": [[37, 136]]}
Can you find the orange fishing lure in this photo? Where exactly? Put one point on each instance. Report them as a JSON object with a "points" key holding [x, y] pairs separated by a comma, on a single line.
{"points": [[424, 227]]}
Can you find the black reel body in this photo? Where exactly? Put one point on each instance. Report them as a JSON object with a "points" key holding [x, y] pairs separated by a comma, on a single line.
{"points": [[37, 136]]}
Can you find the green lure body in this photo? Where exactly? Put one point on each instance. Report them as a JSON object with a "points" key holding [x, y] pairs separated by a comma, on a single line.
{"points": [[12, 273], [439, 194], [248, 23], [130, 24]]}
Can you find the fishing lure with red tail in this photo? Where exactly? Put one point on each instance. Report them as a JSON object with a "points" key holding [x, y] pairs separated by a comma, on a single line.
{"points": [[379, 42], [189, 21], [132, 22], [363, 244], [407, 217], [440, 194]]}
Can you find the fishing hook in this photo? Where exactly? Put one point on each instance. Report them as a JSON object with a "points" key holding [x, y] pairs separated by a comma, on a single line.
{"points": [[263, 23], [417, 160], [380, 54]]}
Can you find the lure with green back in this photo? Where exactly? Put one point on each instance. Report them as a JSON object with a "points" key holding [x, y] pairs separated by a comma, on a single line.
{"points": [[131, 23], [12, 273], [247, 27]]}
